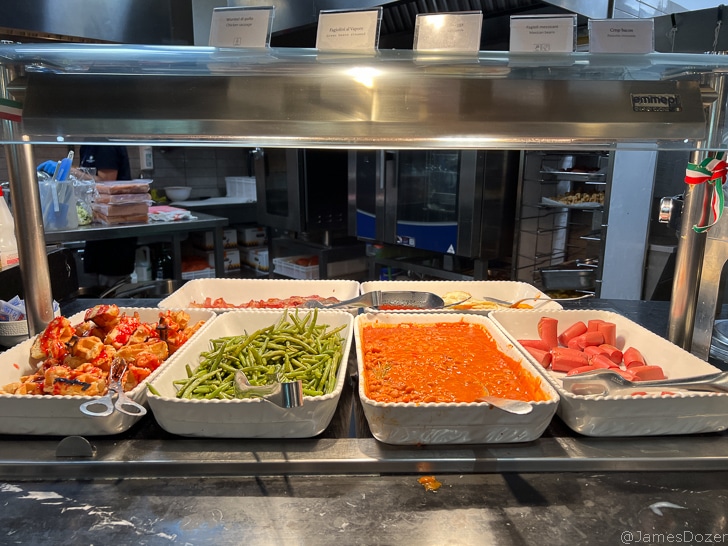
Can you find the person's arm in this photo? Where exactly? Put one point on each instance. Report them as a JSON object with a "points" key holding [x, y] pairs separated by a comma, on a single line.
{"points": [[105, 175], [102, 175]]}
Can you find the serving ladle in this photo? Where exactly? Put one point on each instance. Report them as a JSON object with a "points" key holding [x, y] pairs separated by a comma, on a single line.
{"points": [[602, 382], [403, 299]]}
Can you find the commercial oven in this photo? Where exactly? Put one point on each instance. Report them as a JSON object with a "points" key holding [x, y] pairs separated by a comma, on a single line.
{"points": [[448, 201], [304, 191]]}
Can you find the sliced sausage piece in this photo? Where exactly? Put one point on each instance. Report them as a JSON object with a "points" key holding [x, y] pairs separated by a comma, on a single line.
{"points": [[581, 369], [609, 331], [564, 359], [571, 332], [632, 358], [535, 343], [647, 373], [602, 361], [547, 328], [541, 356], [593, 325], [614, 354], [586, 339]]}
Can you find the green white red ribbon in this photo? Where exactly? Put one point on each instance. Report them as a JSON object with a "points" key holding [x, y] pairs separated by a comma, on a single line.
{"points": [[11, 109], [713, 171]]}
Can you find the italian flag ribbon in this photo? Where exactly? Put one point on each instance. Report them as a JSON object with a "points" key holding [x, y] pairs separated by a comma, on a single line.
{"points": [[711, 170], [11, 109]]}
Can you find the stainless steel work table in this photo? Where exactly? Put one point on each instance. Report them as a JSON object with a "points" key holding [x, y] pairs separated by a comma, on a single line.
{"points": [[150, 487], [177, 231]]}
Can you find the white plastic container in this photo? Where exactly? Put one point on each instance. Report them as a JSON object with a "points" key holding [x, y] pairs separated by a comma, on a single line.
{"points": [[143, 266], [241, 186], [8, 243]]}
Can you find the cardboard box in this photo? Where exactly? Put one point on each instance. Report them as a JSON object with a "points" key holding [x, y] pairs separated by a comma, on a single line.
{"points": [[252, 236], [231, 258], [205, 240], [255, 258]]}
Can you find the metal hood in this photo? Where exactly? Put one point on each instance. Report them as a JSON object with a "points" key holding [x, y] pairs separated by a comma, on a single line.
{"points": [[395, 99], [153, 22]]}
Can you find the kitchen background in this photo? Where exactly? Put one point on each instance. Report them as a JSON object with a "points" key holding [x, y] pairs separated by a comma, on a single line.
{"points": [[203, 169]]}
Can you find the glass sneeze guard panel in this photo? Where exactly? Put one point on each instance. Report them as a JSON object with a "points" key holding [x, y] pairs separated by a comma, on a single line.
{"points": [[75, 93]]}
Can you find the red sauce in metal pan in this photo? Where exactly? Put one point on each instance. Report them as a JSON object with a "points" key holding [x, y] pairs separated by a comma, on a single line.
{"points": [[440, 362]]}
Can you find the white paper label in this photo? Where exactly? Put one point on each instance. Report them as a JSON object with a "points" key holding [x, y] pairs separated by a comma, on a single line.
{"points": [[240, 27], [448, 32], [542, 34], [347, 31], [621, 36]]}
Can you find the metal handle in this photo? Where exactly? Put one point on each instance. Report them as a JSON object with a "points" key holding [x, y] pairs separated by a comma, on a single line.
{"points": [[670, 211], [105, 402]]}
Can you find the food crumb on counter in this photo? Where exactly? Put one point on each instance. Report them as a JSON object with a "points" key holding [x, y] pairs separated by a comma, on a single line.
{"points": [[430, 483]]}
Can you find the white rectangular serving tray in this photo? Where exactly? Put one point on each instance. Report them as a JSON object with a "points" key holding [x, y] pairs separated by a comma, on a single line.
{"points": [[251, 417], [55, 415], [648, 415], [450, 423], [240, 291], [503, 290]]}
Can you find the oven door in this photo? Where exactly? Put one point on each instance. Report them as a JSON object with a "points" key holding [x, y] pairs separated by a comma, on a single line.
{"points": [[434, 199], [366, 194], [278, 183]]}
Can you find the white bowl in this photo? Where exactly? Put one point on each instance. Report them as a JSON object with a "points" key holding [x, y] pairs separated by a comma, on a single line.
{"points": [[58, 415], [410, 423], [687, 412], [177, 193], [13, 332], [504, 290], [241, 291], [250, 417]]}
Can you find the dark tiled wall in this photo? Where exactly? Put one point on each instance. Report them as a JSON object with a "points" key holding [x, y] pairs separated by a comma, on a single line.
{"points": [[202, 168]]}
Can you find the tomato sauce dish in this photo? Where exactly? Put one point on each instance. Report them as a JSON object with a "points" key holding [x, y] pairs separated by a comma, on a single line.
{"points": [[421, 376]]}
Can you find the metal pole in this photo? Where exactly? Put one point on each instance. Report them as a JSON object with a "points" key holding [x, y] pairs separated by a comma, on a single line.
{"points": [[25, 196], [691, 245]]}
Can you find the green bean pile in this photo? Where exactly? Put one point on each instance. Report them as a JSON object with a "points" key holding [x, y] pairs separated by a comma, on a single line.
{"points": [[294, 348]]}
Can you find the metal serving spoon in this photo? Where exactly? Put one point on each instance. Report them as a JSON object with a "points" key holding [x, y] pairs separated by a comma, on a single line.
{"points": [[377, 298], [508, 405], [516, 303], [608, 382]]}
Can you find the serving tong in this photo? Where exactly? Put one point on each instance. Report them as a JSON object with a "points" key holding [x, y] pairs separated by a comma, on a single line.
{"points": [[286, 395], [397, 299], [604, 382], [105, 405]]}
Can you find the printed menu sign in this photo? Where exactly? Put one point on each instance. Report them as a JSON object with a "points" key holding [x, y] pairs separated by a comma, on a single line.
{"points": [[356, 30], [543, 34], [241, 26], [458, 32], [621, 36]]}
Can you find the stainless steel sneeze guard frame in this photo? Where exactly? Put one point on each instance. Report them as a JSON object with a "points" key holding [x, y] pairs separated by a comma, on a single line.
{"points": [[392, 99], [317, 110]]}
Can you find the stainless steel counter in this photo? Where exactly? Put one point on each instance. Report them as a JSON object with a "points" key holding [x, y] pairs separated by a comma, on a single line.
{"points": [[149, 487], [177, 231]]}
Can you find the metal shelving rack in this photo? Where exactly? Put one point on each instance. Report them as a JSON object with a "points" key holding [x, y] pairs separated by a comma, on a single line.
{"points": [[548, 234]]}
